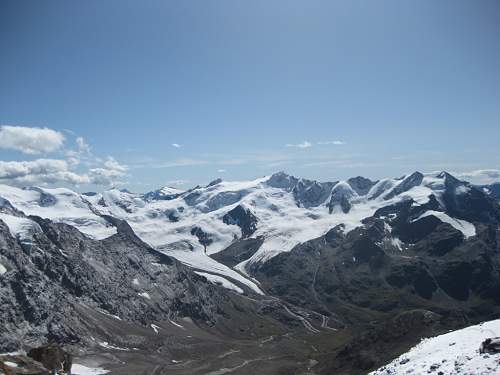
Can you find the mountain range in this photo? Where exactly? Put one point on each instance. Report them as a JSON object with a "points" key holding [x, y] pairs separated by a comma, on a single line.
{"points": [[275, 275]]}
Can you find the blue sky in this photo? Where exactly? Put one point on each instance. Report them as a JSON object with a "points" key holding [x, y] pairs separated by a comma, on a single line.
{"points": [[399, 85]]}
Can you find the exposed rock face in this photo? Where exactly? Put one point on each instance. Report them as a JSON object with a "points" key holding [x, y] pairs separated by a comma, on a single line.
{"points": [[214, 182], [311, 193], [361, 185], [161, 194], [341, 196], [394, 263], [45, 199], [238, 252], [283, 181], [53, 357], [468, 202], [409, 182], [492, 190], [223, 199], [243, 218], [307, 193], [61, 269], [203, 237]]}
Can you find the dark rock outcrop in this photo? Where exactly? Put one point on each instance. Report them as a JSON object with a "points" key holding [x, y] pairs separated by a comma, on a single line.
{"points": [[341, 196], [361, 185], [62, 270], [52, 357], [238, 251], [361, 275], [307, 193], [409, 182], [203, 238], [242, 217]]}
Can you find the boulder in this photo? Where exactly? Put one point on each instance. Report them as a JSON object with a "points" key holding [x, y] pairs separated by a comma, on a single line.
{"points": [[53, 357]]}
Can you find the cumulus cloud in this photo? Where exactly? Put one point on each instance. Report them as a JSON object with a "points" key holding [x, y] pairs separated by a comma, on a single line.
{"points": [[78, 167], [112, 164], [105, 177], [32, 141], [479, 176], [39, 171], [176, 145], [304, 144], [52, 171], [337, 143]]}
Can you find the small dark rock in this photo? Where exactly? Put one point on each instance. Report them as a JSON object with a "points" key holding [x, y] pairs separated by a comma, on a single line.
{"points": [[490, 345]]}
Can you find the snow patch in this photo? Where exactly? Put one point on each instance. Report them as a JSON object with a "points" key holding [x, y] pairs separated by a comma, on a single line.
{"points": [[107, 345], [462, 189], [219, 280], [205, 263], [110, 315], [65, 206], [468, 229], [176, 324], [2, 269], [19, 227], [155, 328], [397, 243], [78, 369], [145, 295]]}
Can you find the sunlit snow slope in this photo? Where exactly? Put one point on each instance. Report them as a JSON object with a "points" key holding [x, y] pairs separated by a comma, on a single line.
{"points": [[456, 352]]}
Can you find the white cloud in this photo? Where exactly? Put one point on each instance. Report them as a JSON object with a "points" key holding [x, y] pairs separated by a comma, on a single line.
{"points": [[55, 171], [304, 144], [176, 145], [30, 141], [337, 143], [106, 177], [221, 171], [40, 171], [52, 171], [112, 164], [479, 176], [111, 173]]}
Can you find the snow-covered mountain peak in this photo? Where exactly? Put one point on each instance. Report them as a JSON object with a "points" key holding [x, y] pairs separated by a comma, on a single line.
{"points": [[214, 182], [280, 210], [361, 185], [282, 180]]}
